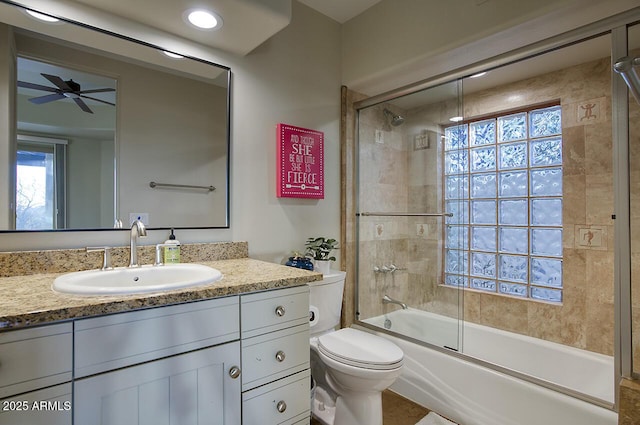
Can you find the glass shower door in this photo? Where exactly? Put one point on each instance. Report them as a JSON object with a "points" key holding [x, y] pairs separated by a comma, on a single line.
{"points": [[405, 218]]}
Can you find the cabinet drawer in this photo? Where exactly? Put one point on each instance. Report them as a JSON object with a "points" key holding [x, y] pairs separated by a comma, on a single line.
{"points": [[35, 358], [282, 402], [275, 355], [51, 406], [273, 310], [111, 342]]}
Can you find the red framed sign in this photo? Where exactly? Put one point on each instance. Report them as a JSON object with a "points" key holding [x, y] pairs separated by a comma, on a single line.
{"points": [[300, 162]]}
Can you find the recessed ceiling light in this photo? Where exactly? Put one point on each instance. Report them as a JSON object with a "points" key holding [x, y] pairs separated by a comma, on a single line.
{"points": [[204, 19], [42, 16], [456, 119], [173, 55], [479, 74]]}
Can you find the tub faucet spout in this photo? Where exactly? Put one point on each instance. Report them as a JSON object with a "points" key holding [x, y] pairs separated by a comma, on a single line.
{"points": [[388, 300], [137, 230]]}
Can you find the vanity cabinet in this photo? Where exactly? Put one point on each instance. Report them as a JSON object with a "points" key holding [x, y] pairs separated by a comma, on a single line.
{"points": [[275, 357], [35, 376], [242, 359], [170, 365]]}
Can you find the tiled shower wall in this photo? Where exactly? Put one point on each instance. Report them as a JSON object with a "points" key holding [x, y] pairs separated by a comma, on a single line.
{"points": [[395, 176]]}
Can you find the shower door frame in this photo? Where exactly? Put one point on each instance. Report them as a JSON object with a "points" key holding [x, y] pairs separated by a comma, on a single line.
{"points": [[616, 26]]}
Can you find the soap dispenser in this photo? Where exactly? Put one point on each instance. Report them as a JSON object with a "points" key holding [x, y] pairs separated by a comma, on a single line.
{"points": [[172, 250]]}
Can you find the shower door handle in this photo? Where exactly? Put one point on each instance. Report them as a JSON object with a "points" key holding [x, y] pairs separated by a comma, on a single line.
{"points": [[402, 214]]}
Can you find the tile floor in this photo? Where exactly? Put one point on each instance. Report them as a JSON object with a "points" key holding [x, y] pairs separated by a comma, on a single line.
{"points": [[397, 410]]}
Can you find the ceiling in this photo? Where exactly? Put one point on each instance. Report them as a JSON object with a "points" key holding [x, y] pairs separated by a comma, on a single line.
{"points": [[246, 23], [340, 10]]}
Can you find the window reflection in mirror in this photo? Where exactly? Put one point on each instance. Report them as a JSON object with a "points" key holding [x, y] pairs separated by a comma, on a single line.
{"points": [[37, 175]]}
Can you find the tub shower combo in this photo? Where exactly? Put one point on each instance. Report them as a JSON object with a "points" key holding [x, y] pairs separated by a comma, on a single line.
{"points": [[484, 237]]}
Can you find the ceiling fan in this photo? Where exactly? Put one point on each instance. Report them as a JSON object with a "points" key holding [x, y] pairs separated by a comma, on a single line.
{"points": [[64, 89]]}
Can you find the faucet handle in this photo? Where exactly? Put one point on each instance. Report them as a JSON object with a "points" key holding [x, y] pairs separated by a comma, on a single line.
{"points": [[159, 261], [106, 257]]}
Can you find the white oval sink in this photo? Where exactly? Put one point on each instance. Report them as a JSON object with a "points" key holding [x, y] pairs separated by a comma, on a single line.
{"points": [[135, 280]]}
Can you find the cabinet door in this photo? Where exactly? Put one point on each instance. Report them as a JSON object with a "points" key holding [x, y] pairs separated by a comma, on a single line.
{"points": [[51, 406], [190, 389]]}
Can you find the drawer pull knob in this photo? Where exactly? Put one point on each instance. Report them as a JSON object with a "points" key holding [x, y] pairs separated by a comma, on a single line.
{"points": [[280, 356], [234, 372], [281, 406], [280, 311]]}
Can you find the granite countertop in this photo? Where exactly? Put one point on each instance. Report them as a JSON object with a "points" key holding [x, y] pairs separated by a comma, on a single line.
{"points": [[29, 300]]}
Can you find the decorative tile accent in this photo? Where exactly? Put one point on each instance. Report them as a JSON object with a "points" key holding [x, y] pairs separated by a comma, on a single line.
{"points": [[585, 112], [591, 237]]}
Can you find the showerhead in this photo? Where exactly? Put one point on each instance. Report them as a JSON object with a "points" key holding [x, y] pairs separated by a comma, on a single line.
{"points": [[395, 120]]}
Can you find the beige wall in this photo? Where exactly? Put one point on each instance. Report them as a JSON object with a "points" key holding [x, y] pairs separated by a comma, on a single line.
{"points": [[394, 176]]}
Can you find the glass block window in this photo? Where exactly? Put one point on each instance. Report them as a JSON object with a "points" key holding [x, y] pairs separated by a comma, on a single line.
{"points": [[503, 185]]}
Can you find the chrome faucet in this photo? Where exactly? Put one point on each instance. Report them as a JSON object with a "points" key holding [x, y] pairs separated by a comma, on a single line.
{"points": [[388, 300], [137, 230]]}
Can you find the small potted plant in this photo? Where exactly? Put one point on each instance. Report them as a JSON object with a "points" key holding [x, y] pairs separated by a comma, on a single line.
{"points": [[320, 250], [300, 261]]}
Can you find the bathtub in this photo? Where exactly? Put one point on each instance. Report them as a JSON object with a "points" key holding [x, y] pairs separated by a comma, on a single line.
{"points": [[470, 393]]}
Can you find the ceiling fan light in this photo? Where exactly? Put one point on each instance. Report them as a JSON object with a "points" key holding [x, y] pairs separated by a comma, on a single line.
{"points": [[42, 16], [204, 19]]}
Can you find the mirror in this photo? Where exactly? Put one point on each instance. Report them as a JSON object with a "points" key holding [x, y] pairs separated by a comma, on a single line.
{"points": [[106, 130]]}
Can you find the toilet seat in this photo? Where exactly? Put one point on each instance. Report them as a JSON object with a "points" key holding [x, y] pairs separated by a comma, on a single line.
{"points": [[360, 349]]}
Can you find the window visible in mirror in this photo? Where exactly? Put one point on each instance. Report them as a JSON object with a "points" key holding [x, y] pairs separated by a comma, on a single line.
{"points": [[40, 171]]}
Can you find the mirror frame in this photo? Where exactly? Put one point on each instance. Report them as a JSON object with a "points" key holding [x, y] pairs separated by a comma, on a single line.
{"points": [[156, 47]]}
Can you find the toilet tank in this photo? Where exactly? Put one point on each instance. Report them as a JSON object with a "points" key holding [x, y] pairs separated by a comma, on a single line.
{"points": [[325, 302]]}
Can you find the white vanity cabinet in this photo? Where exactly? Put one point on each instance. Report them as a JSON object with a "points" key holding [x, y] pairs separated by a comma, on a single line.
{"points": [[171, 365], [275, 357], [241, 359], [35, 376]]}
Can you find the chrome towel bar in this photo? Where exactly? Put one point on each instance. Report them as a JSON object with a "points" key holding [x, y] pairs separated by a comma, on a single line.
{"points": [[183, 186], [402, 214]]}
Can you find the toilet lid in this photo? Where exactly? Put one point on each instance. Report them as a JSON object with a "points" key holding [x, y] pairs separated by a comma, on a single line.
{"points": [[360, 349]]}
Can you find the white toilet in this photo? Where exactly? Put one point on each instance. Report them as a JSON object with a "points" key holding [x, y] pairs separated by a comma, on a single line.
{"points": [[351, 368]]}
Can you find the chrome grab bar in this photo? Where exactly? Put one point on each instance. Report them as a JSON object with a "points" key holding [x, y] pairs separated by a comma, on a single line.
{"points": [[153, 185], [402, 214], [388, 300]]}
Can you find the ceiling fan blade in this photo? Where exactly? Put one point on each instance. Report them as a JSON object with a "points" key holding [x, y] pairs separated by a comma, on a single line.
{"points": [[97, 91], [98, 100], [82, 105], [57, 81], [45, 99], [34, 86]]}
